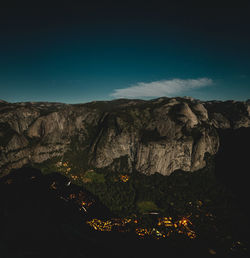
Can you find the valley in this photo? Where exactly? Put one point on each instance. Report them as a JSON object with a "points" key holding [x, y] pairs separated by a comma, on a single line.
{"points": [[137, 176]]}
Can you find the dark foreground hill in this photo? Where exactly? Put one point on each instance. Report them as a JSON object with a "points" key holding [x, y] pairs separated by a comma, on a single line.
{"points": [[38, 221], [43, 216]]}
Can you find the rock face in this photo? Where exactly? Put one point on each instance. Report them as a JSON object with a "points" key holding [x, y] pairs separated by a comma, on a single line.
{"points": [[160, 135]]}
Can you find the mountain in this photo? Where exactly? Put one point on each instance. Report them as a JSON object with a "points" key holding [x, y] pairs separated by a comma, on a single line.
{"points": [[86, 210], [160, 135]]}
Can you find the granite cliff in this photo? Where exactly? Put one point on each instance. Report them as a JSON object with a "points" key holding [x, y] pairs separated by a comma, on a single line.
{"points": [[160, 135]]}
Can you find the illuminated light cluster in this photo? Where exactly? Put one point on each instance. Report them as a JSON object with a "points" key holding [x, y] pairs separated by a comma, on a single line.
{"points": [[81, 200], [121, 222], [100, 225], [84, 200], [124, 178], [63, 166], [142, 232], [165, 221], [191, 234], [184, 222], [85, 203], [108, 225], [181, 227], [74, 177], [157, 234]]}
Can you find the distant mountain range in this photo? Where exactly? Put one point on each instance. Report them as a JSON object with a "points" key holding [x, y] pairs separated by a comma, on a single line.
{"points": [[160, 135]]}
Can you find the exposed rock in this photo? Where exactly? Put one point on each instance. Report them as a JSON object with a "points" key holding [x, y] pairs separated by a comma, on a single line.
{"points": [[160, 135], [185, 114], [200, 111], [17, 142], [220, 121]]}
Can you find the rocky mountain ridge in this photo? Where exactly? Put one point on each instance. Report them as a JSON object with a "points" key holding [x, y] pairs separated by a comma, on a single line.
{"points": [[160, 135]]}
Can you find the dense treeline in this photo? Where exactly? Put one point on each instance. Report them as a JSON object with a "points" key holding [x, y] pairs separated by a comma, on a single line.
{"points": [[200, 196], [175, 194]]}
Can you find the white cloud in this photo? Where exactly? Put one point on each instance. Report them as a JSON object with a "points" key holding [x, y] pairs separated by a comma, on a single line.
{"points": [[161, 88]]}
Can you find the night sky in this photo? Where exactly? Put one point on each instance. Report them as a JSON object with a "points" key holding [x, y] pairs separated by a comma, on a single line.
{"points": [[77, 51]]}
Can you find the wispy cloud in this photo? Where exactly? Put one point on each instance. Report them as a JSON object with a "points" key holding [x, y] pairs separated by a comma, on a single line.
{"points": [[161, 88]]}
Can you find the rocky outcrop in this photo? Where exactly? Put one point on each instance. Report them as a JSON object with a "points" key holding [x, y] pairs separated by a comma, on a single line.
{"points": [[160, 135]]}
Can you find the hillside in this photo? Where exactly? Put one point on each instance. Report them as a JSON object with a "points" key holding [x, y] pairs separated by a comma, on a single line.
{"points": [[98, 177], [161, 135]]}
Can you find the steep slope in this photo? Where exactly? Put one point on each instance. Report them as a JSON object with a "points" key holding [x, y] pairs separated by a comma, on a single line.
{"points": [[39, 217], [161, 135]]}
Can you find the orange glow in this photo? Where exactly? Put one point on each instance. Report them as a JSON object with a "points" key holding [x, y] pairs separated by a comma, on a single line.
{"points": [[100, 225], [124, 178], [74, 177], [180, 227], [165, 221]]}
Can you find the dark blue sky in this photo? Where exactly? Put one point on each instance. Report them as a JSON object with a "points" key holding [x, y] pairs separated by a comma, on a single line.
{"points": [[72, 52]]}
